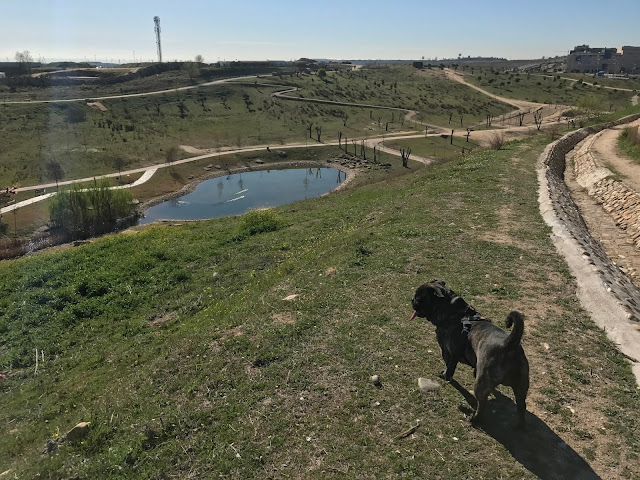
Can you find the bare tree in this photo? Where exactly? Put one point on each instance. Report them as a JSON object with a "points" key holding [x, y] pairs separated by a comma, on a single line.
{"points": [[520, 116], [318, 131], [119, 163], [181, 106], [537, 117], [172, 154], [24, 60], [53, 169], [192, 69], [405, 157]]}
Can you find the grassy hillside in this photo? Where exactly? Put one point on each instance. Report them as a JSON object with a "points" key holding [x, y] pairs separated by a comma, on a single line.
{"points": [[199, 350], [545, 89], [426, 91]]}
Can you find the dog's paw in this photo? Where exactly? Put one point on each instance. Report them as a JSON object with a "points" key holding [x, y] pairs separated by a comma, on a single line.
{"points": [[473, 418], [444, 376]]}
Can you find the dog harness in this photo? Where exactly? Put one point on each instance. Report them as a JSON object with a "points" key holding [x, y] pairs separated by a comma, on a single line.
{"points": [[470, 316]]}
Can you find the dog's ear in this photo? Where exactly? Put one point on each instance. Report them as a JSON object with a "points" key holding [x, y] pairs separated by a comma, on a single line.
{"points": [[439, 282], [438, 292]]}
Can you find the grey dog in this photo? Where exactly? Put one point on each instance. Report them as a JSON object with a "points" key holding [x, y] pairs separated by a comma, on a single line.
{"points": [[465, 336]]}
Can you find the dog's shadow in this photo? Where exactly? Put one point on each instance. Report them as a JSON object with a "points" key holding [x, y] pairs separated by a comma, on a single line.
{"points": [[537, 447]]}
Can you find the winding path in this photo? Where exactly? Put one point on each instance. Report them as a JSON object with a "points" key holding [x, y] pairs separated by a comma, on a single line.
{"points": [[370, 142]]}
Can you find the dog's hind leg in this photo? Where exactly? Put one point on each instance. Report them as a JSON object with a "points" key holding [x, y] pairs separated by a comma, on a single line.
{"points": [[481, 390], [520, 393]]}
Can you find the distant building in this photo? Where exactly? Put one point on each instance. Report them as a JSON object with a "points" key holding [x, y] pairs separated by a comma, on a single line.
{"points": [[3, 75], [584, 59]]}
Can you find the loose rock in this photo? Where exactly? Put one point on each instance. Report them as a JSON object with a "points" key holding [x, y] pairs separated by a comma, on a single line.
{"points": [[78, 432], [427, 385]]}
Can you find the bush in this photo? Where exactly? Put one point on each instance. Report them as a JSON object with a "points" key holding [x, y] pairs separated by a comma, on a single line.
{"points": [[496, 141], [632, 135], [553, 132], [75, 114], [83, 212], [257, 221]]}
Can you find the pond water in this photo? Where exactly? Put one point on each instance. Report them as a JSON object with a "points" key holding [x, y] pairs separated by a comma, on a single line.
{"points": [[237, 193]]}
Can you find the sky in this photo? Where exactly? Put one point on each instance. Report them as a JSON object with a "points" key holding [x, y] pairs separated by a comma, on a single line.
{"points": [[123, 31]]}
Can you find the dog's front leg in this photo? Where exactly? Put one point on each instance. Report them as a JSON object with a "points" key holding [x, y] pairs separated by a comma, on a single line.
{"points": [[450, 362], [451, 368]]}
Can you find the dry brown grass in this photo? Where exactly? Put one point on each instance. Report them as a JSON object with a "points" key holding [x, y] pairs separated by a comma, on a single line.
{"points": [[496, 141]]}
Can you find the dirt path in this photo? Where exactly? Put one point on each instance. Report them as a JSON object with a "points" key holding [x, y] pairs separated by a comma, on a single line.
{"points": [[605, 150], [600, 152]]}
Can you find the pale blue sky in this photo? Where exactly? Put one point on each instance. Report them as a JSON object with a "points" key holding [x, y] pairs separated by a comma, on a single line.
{"points": [[285, 30]]}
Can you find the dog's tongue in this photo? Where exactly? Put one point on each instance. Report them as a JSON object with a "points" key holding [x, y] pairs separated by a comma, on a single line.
{"points": [[415, 314]]}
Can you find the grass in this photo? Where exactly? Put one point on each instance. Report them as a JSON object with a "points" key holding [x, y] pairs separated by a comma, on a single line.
{"points": [[172, 178], [629, 143], [142, 129], [545, 89], [438, 147], [428, 92], [632, 83], [180, 347]]}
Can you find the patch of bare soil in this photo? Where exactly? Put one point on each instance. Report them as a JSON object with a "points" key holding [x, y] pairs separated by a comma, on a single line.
{"points": [[159, 321], [97, 105], [605, 150]]}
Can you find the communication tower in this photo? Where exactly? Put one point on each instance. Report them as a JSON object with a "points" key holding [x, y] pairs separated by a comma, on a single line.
{"points": [[156, 21]]}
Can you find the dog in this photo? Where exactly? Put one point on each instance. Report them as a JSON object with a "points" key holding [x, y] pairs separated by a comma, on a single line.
{"points": [[465, 336]]}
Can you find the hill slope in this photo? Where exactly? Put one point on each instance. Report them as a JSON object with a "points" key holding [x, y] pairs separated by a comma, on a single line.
{"points": [[184, 347]]}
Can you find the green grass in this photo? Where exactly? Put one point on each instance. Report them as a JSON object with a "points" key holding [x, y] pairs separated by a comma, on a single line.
{"points": [[630, 146], [172, 178], [233, 380], [427, 92], [544, 89], [215, 117], [632, 84], [435, 146]]}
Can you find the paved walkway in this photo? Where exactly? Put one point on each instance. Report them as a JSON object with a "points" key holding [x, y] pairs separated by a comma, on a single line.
{"points": [[148, 173]]}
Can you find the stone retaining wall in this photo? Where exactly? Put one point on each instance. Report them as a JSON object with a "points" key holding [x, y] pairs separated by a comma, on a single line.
{"points": [[619, 200], [554, 160]]}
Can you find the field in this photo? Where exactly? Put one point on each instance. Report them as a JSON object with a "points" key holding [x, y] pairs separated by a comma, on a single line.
{"points": [[632, 83], [86, 140], [195, 351], [431, 95], [545, 89], [435, 147]]}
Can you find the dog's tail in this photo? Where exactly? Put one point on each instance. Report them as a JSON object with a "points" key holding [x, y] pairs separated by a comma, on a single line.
{"points": [[513, 340]]}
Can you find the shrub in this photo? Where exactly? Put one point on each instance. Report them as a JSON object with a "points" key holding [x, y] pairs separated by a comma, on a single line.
{"points": [[82, 212], [257, 221], [496, 141], [553, 132], [632, 135], [75, 114]]}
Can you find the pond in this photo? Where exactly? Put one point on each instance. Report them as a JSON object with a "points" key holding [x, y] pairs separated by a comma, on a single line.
{"points": [[237, 193]]}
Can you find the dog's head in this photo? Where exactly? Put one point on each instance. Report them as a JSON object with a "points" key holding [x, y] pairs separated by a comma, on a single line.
{"points": [[434, 298]]}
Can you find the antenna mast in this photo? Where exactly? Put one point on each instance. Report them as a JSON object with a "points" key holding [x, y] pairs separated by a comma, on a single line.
{"points": [[156, 20]]}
